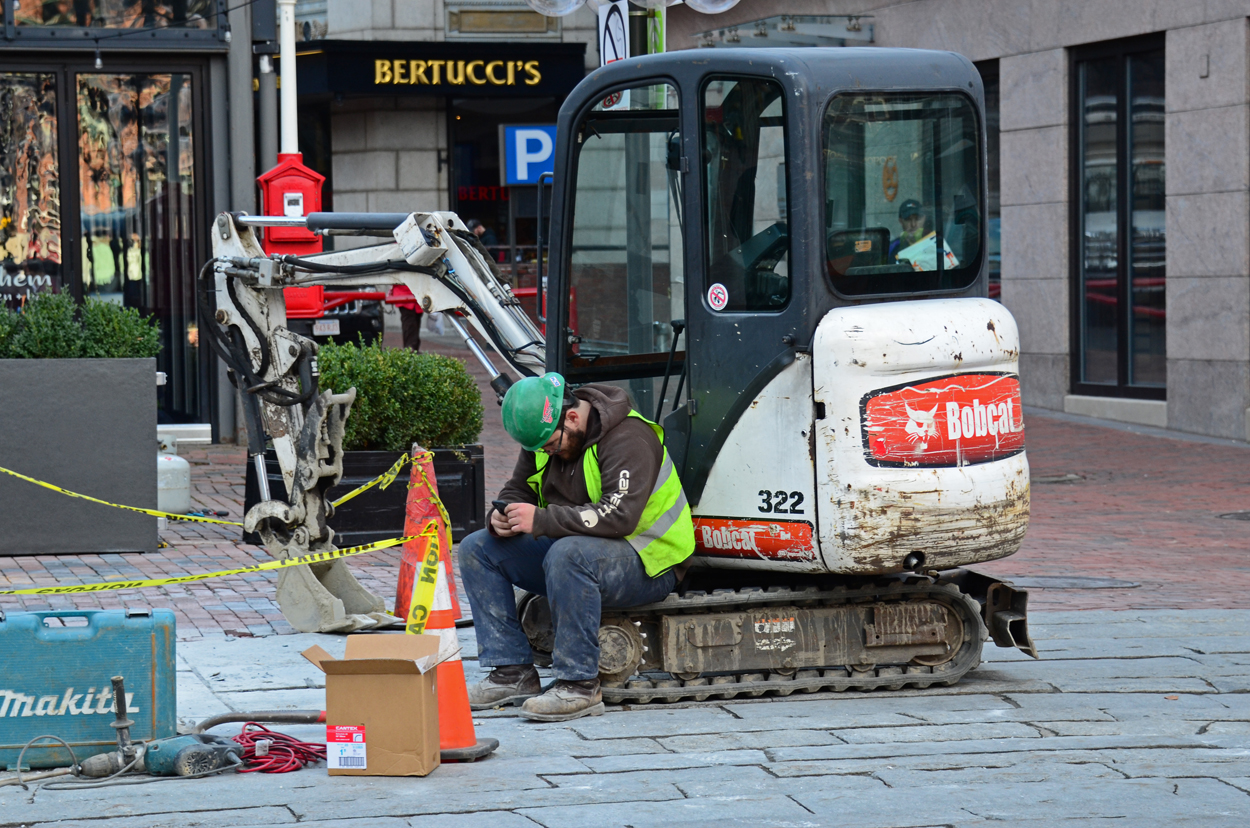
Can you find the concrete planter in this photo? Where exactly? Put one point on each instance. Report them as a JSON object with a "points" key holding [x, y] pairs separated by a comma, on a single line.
{"points": [[87, 425], [379, 515]]}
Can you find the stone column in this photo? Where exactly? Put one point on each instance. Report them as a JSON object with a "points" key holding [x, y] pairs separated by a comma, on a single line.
{"points": [[1208, 229], [1033, 117]]}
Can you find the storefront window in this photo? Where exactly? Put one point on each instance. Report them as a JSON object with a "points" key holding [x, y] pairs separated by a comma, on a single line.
{"points": [[1122, 237], [508, 216], [136, 179], [626, 277], [903, 212], [116, 14], [744, 147], [30, 186]]}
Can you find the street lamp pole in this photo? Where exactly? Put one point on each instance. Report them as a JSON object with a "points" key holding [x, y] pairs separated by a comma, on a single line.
{"points": [[286, 46]]}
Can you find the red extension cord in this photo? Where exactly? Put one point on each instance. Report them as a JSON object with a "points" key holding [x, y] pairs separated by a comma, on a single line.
{"points": [[285, 753]]}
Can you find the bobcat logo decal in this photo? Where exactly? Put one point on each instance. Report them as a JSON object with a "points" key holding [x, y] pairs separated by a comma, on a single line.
{"points": [[921, 425], [951, 421]]}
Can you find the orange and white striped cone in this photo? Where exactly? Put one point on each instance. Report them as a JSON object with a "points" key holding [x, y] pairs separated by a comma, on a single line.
{"points": [[458, 741], [423, 505]]}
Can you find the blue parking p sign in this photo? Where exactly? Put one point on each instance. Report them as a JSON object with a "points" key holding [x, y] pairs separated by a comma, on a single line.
{"points": [[529, 151]]}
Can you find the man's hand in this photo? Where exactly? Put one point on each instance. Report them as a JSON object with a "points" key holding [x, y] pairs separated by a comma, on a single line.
{"points": [[499, 522], [521, 518]]}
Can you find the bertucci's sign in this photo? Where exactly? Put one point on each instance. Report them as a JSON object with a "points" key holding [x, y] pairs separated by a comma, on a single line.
{"points": [[438, 72]]}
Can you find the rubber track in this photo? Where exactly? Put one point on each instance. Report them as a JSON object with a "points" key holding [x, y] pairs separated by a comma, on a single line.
{"points": [[640, 690]]}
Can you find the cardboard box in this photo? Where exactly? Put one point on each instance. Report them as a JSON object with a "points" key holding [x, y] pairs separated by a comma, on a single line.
{"points": [[382, 705]]}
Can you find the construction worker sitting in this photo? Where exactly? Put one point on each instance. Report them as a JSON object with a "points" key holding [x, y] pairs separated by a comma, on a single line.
{"points": [[596, 517]]}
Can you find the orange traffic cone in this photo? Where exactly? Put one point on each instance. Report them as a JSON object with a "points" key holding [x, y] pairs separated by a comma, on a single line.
{"points": [[457, 740], [422, 507]]}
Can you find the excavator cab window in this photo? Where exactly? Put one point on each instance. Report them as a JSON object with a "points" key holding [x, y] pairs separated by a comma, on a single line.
{"points": [[626, 279], [748, 236], [902, 182]]}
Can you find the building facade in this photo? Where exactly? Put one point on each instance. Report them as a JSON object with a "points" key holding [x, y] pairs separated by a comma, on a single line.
{"points": [[401, 104], [1119, 179]]}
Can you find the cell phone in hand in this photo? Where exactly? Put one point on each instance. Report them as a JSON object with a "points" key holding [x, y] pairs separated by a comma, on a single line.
{"points": [[500, 506]]}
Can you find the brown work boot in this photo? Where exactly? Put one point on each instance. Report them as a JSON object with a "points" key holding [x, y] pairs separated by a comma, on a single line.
{"points": [[511, 684], [565, 700]]}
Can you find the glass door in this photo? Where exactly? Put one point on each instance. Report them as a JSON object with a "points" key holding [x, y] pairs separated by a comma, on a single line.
{"points": [[134, 229], [626, 277], [137, 205], [1120, 304]]}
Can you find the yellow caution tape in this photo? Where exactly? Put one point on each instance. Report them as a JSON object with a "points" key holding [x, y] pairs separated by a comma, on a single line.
{"points": [[423, 584], [385, 479], [432, 487], [152, 512], [427, 576], [423, 588], [315, 557]]}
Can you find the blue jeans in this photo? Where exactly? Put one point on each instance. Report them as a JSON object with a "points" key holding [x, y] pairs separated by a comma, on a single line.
{"points": [[579, 575]]}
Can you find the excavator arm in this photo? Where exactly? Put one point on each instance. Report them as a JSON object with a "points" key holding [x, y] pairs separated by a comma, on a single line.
{"points": [[275, 370]]}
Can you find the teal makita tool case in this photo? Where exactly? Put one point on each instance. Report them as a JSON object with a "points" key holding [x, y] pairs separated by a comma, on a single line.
{"points": [[55, 673]]}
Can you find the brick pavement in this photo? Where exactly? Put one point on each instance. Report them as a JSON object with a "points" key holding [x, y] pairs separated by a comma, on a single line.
{"points": [[1141, 508]]}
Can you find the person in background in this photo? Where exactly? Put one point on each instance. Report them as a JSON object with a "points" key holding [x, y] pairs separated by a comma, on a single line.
{"points": [[912, 221], [484, 234], [409, 315]]}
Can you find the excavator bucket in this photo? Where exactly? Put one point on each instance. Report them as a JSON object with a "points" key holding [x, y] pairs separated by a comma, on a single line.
{"points": [[327, 598], [323, 597]]}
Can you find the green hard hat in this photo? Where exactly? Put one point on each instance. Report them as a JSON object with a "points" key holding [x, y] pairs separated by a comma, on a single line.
{"points": [[531, 409]]}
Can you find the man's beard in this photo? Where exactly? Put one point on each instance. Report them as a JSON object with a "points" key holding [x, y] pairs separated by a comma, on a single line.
{"points": [[574, 441]]}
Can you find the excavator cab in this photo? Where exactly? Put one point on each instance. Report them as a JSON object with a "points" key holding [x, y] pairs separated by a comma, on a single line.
{"points": [[780, 253]]}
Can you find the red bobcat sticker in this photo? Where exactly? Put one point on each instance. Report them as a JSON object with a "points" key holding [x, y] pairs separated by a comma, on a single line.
{"points": [[784, 540], [958, 420]]}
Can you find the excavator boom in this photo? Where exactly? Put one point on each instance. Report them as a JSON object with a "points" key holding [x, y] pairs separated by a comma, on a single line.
{"points": [[241, 290]]}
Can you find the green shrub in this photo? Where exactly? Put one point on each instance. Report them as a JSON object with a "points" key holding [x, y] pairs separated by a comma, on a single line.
{"points": [[8, 326], [51, 326], [115, 332], [402, 397], [47, 329]]}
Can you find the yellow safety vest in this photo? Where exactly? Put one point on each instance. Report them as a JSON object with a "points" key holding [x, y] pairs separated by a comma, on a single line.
{"points": [[664, 536]]}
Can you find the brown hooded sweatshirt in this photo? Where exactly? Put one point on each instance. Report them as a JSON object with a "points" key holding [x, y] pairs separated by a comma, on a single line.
{"points": [[630, 456]]}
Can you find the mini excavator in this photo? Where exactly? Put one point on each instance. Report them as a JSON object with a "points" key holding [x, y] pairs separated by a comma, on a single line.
{"points": [[783, 256]]}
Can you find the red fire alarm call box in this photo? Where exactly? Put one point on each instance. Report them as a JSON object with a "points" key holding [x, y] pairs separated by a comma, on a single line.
{"points": [[290, 189]]}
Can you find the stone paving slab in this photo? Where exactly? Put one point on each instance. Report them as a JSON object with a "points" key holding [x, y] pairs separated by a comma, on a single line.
{"points": [[1013, 774], [308, 698], [227, 818], [230, 664], [954, 804], [1230, 684], [196, 701], [673, 812], [772, 737], [483, 819]]}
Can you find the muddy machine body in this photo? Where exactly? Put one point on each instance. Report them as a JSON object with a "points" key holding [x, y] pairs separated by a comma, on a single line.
{"points": [[782, 255]]}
